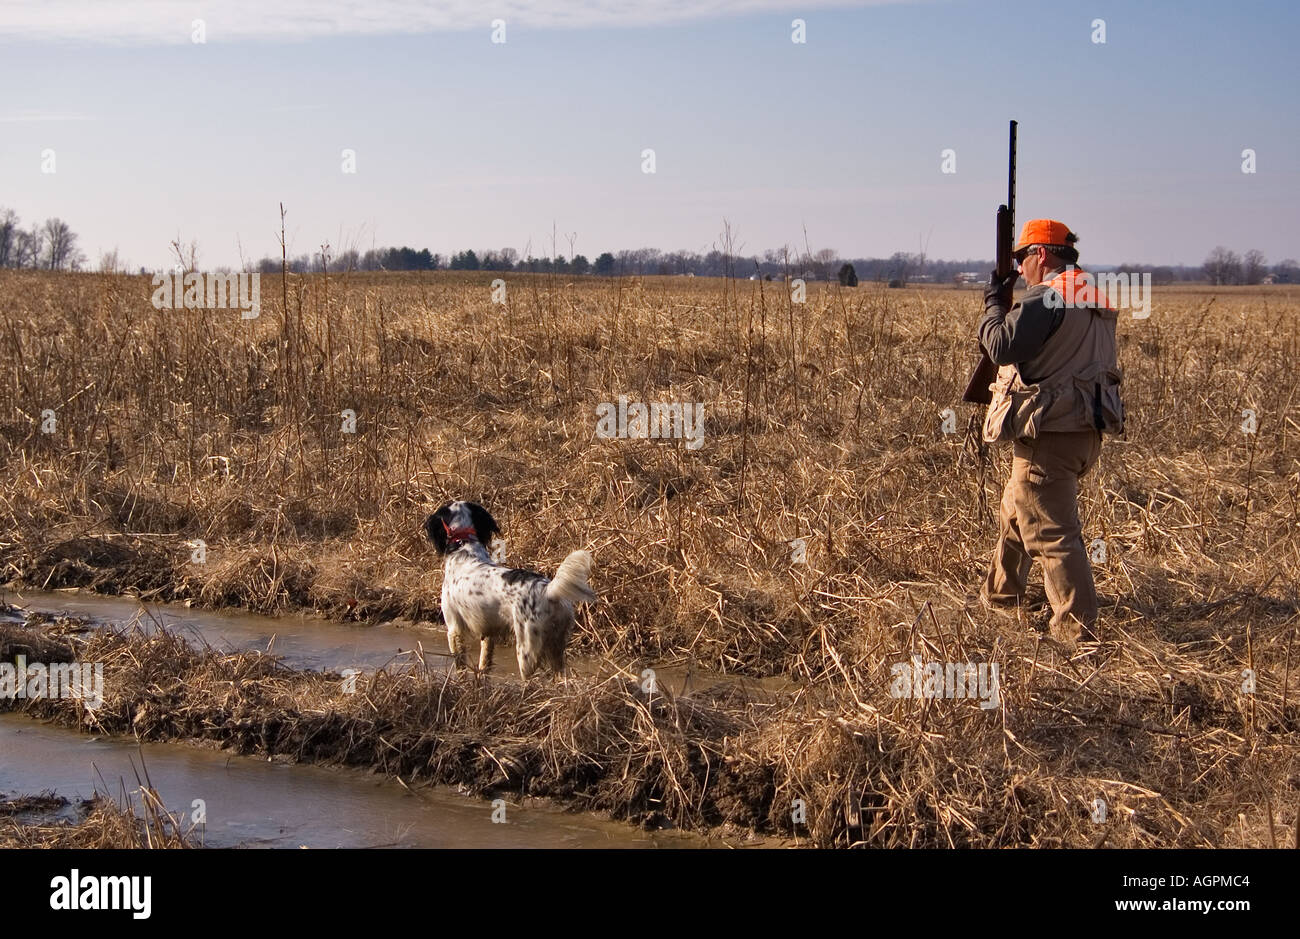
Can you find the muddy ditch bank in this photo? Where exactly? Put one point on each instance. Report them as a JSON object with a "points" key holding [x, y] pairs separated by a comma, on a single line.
{"points": [[1178, 758], [597, 745]]}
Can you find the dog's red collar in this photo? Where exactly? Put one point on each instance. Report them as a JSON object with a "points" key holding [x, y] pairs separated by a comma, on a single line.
{"points": [[460, 534]]}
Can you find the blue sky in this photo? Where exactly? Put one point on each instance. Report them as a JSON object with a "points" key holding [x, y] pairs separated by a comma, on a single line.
{"points": [[463, 143]]}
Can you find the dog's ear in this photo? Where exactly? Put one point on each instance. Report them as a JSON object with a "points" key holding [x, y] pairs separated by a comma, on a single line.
{"points": [[485, 526], [436, 530]]}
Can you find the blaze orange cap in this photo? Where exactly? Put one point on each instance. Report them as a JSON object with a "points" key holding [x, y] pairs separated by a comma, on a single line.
{"points": [[1041, 231]]}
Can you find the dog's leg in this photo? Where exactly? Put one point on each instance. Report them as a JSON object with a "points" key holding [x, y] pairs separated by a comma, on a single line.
{"points": [[524, 653], [455, 638], [484, 654]]}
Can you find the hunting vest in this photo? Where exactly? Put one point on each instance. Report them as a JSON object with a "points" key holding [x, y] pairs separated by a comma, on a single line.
{"points": [[1072, 383]]}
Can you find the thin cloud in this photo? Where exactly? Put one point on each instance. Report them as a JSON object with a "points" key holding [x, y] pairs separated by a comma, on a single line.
{"points": [[162, 22], [35, 117]]}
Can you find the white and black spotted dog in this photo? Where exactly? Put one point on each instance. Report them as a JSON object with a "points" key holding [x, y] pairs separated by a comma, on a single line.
{"points": [[487, 602]]}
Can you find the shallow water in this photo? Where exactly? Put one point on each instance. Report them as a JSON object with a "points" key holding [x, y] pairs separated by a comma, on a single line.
{"points": [[312, 642], [301, 641], [256, 803]]}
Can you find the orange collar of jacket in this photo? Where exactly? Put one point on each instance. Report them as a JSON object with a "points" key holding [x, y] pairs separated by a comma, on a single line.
{"points": [[1078, 288]]}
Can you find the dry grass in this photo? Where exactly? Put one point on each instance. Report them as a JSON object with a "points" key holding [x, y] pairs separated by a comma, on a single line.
{"points": [[822, 423], [885, 772], [101, 822]]}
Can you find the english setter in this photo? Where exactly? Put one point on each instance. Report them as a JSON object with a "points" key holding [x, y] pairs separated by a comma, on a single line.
{"points": [[485, 601]]}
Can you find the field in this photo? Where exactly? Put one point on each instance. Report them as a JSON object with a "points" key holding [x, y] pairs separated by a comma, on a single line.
{"points": [[827, 529]]}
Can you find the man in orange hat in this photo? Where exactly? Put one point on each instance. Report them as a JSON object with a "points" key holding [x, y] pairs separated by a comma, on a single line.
{"points": [[1057, 392]]}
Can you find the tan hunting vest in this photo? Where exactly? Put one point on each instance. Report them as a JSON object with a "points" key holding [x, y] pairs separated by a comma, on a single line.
{"points": [[1075, 376]]}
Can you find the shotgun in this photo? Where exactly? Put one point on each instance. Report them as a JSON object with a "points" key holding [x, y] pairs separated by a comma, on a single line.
{"points": [[977, 389]]}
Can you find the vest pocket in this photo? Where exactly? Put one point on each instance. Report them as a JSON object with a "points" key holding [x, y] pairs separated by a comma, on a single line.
{"points": [[1018, 411], [1028, 405], [996, 428], [1098, 397]]}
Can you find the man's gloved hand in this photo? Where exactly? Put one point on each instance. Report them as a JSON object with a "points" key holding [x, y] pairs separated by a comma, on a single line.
{"points": [[1000, 290]]}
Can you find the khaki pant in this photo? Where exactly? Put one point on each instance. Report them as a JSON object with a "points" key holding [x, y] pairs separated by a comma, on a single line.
{"points": [[1039, 521]]}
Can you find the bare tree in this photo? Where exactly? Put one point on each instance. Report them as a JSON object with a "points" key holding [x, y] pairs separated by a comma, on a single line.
{"points": [[110, 263], [348, 260], [9, 232], [822, 261], [1223, 267], [1253, 267], [1287, 272], [902, 265], [60, 245], [27, 247]]}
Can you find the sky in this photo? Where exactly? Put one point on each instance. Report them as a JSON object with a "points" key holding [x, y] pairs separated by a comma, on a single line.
{"points": [[835, 142]]}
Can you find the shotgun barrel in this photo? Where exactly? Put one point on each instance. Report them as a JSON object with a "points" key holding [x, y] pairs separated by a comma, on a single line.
{"points": [[977, 389]]}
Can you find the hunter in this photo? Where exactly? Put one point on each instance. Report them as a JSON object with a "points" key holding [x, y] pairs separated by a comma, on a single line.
{"points": [[1056, 393]]}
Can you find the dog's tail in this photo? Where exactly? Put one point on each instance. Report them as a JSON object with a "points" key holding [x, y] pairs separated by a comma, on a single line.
{"points": [[570, 581]]}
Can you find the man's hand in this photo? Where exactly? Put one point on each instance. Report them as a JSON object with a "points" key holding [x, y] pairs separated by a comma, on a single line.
{"points": [[999, 291]]}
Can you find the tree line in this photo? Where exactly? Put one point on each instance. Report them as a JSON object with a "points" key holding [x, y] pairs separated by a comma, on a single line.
{"points": [[52, 245], [774, 263], [1223, 266]]}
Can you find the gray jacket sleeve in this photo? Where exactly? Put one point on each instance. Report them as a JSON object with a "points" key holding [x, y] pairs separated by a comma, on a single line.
{"points": [[1010, 337]]}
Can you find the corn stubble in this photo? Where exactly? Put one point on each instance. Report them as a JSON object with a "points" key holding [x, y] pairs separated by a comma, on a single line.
{"points": [[822, 423]]}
